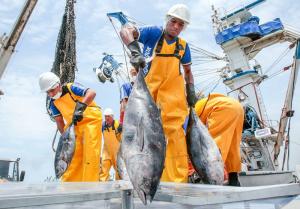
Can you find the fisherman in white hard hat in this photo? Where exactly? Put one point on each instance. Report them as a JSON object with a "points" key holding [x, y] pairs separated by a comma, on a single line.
{"points": [[73, 103], [112, 138], [164, 53]]}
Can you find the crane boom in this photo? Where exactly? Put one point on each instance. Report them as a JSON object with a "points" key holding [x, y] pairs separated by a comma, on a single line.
{"points": [[8, 44]]}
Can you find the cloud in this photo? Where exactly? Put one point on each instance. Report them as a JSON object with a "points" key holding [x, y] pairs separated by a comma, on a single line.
{"points": [[25, 128]]}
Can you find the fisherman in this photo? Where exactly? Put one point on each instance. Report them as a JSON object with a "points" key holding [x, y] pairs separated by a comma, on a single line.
{"points": [[112, 139], [165, 52], [73, 103], [224, 118], [125, 91]]}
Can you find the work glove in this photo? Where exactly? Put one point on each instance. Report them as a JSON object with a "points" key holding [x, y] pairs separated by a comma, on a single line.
{"points": [[137, 59], [190, 94], [120, 128], [78, 112]]}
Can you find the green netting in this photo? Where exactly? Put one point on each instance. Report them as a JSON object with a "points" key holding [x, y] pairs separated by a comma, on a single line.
{"points": [[64, 64]]}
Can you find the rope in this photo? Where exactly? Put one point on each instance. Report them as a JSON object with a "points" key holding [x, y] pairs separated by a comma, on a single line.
{"points": [[281, 56], [53, 141], [123, 45]]}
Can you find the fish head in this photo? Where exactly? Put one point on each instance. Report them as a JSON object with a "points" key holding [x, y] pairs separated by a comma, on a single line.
{"points": [[60, 168], [145, 180]]}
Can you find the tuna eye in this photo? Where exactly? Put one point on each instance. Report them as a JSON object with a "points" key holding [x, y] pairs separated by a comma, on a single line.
{"points": [[147, 182]]}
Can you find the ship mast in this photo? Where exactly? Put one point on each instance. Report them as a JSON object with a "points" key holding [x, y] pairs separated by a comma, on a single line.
{"points": [[242, 37]]}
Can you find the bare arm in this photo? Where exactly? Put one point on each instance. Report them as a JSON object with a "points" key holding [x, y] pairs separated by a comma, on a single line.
{"points": [[122, 109], [188, 75], [123, 104], [128, 34], [60, 123], [89, 96]]}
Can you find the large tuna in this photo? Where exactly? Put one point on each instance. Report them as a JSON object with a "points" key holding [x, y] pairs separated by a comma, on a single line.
{"points": [[203, 151], [121, 168], [143, 145], [65, 151]]}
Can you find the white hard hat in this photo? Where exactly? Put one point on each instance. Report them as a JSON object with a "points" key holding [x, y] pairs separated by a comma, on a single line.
{"points": [[108, 111], [48, 81], [180, 11]]}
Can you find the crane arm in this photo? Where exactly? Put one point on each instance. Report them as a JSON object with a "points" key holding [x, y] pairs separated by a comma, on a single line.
{"points": [[9, 43]]}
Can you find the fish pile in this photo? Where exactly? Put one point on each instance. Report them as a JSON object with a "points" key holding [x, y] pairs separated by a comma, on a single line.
{"points": [[143, 145], [64, 151], [203, 151]]}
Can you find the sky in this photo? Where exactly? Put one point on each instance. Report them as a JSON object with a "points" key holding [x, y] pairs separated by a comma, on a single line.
{"points": [[25, 128]]}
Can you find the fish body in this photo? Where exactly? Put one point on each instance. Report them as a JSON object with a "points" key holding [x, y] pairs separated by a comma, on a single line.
{"points": [[204, 152], [65, 151], [143, 145], [121, 168]]}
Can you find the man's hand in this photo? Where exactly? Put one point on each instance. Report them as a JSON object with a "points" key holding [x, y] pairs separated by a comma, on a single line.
{"points": [[190, 94], [78, 112], [120, 128], [137, 59]]}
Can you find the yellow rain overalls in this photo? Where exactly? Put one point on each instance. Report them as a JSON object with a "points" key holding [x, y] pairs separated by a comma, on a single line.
{"points": [[224, 118], [166, 85], [111, 147], [86, 160]]}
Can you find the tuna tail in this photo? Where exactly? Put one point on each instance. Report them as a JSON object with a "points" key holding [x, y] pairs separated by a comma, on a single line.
{"points": [[141, 80]]}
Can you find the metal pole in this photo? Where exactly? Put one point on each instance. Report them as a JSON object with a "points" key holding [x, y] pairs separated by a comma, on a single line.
{"points": [[127, 199]]}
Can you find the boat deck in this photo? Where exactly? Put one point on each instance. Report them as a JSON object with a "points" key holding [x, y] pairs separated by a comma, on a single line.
{"points": [[118, 194]]}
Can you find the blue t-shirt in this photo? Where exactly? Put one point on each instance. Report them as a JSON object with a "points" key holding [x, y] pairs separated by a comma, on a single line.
{"points": [[126, 89], [76, 89], [149, 36]]}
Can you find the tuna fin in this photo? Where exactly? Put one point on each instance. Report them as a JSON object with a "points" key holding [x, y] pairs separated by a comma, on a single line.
{"points": [[159, 109], [142, 195], [140, 134]]}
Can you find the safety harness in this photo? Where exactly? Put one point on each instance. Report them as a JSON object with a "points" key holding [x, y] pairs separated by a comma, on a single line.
{"points": [[160, 45], [66, 90]]}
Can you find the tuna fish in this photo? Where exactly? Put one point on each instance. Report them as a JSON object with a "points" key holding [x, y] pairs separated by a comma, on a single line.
{"points": [[203, 151], [143, 145], [121, 168], [64, 151]]}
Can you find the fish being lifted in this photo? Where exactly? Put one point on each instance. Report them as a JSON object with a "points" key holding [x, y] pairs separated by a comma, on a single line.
{"points": [[143, 145], [203, 151], [121, 168], [64, 151]]}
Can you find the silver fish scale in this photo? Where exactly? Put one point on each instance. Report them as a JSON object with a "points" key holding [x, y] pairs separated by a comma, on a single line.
{"points": [[143, 145], [65, 151], [203, 151]]}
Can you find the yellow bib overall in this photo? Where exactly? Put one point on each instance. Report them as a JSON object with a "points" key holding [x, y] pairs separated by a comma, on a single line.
{"points": [[85, 164], [110, 151], [224, 117], [166, 85]]}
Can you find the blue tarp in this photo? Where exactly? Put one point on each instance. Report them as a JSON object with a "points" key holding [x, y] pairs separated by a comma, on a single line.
{"points": [[250, 29]]}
